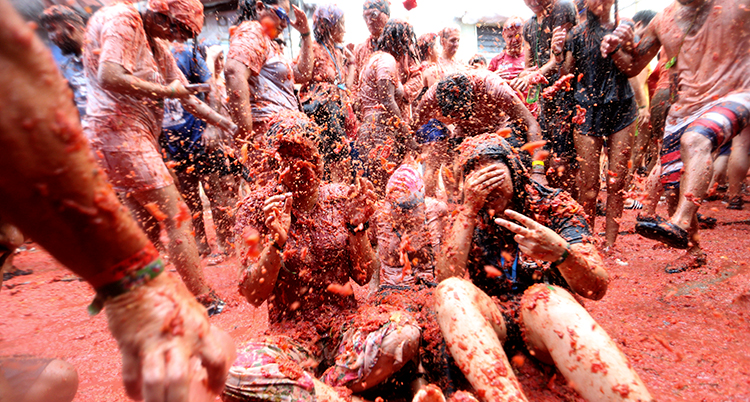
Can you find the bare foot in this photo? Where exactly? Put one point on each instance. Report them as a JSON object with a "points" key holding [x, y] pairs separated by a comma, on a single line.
{"points": [[430, 393]]}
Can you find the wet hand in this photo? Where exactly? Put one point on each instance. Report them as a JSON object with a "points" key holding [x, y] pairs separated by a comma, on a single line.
{"points": [[480, 184], [161, 330], [623, 35], [558, 41], [361, 204], [278, 213], [534, 239], [300, 20], [175, 89]]}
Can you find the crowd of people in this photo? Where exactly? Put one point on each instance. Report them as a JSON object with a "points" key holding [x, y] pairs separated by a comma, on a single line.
{"points": [[463, 196]]}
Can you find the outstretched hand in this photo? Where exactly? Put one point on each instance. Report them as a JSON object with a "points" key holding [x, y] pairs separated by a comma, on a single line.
{"points": [[161, 331], [300, 20], [534, 239]]}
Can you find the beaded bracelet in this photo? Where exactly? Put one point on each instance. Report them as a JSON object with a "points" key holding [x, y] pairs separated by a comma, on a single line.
{"points": [[133, 272]]}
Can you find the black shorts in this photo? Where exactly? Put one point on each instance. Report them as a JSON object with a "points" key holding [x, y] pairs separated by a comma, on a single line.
{"points": [[555, 122], [609, 118]]}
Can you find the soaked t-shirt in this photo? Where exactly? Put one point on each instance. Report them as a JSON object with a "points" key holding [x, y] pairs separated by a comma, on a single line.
{"points": [[598, 80], [508, 67], [487, 115], [124, 129], [714, 60], [271, 76], [327, 73], [380, 66], [362, 54], [316, 255], [115, 34], [494, 246]]}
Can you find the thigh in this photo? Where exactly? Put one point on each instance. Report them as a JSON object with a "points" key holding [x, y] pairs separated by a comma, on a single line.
{"points": [[620, 145], [592, 148], [164, 204]]}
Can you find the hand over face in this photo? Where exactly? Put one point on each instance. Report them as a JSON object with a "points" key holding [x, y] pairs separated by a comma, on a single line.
{"points": [[534, 239], [161, 330], [480, 183]]}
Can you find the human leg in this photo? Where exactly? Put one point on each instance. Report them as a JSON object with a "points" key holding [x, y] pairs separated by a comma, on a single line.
{"points": [[222, 193], [559, 330], [738, 164], [189, 187], [182, 249], [473, 327], [617, 177], [365, 359], [653, 191], [589, 183], [31, 379]]}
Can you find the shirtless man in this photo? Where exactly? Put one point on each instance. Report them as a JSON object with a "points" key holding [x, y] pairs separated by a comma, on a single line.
{"points": [[58, 196], [450, 37], [708, 44], [476, 102]]}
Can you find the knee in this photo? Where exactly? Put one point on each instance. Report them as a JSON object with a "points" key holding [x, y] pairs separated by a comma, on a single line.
{"points": [[61, 379], [543, 295], [695, 143], [451, 288], [403, 342]]}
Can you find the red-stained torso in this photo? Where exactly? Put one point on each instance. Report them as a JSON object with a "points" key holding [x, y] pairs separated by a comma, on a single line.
{"points": [[115, 34], [316, 255], [271, 76], [714, 59], [327, 73], [117, 123], [380, 66], [488, 114], [419, 242]]}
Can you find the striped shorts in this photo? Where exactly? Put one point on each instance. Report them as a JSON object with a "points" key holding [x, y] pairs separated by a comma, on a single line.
{"points": [[719, 122]]}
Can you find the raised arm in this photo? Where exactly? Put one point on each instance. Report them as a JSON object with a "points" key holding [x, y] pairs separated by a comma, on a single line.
{"points": [[304, 66], [628, 58], [259, 278], [238, 103], [59, 197]]}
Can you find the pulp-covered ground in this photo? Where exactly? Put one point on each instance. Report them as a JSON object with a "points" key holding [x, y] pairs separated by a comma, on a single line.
{"points": [[686, 334]]}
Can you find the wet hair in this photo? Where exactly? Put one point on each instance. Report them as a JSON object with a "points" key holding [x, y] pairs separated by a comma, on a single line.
{"points": [[291, 134], [381, 5], [455, 93], [60, 13], [644, 17], [425, 43], [447, 30], [492, 146], [478, 59], [248, 12], [398, 38], [324, 20]]}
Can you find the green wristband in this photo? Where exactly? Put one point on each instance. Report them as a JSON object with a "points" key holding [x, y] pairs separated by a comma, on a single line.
{"points": [[564, 255]]}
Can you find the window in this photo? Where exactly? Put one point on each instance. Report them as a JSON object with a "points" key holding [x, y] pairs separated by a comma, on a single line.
{"points": [[490, 39]]}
